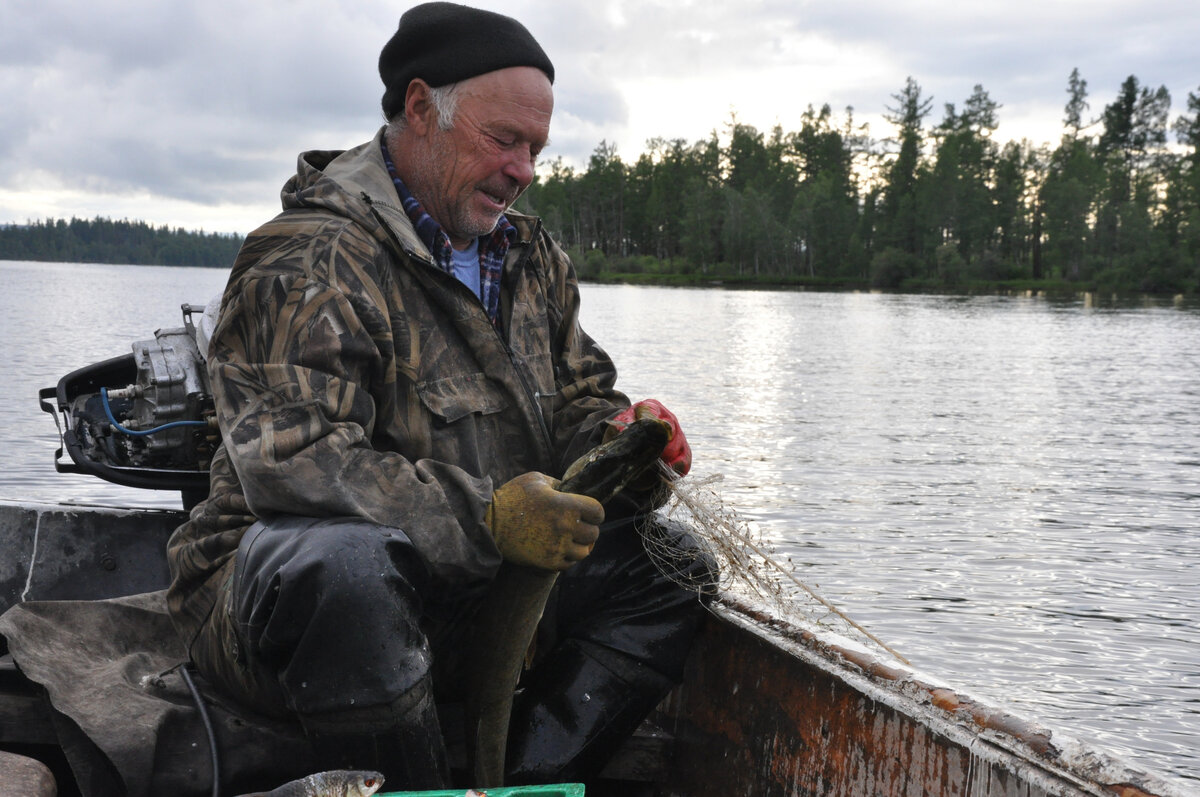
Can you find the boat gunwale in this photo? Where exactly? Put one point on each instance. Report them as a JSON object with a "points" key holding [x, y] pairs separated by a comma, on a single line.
{"points": [[1049, 759]]}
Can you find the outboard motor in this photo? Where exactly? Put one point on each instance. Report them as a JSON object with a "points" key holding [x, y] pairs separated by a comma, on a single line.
{"points": [[144, 419]]}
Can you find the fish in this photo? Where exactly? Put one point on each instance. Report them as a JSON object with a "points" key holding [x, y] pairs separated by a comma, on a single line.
{"points": [[606, 470], [334, 783], [515, 600]]}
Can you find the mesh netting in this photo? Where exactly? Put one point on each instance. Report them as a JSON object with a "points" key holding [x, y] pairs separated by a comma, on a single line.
{"points": [[748, 565]]}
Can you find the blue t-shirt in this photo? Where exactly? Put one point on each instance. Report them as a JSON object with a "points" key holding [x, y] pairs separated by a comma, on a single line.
{"points": [[466, 265]]}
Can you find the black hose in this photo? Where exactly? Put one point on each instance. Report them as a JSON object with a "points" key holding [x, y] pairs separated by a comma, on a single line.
{"points": [[208, 728]]}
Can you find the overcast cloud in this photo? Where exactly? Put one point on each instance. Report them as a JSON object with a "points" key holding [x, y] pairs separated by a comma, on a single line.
{"points": [[191, 112]]}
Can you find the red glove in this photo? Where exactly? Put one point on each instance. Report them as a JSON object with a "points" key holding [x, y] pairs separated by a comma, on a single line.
{"points": [[678, 454]]}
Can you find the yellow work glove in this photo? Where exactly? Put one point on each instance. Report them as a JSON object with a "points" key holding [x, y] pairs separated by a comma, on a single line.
{"points": [[534, 524]]}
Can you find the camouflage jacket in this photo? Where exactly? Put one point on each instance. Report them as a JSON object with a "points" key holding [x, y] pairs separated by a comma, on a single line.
{"points": [[352, 377]]}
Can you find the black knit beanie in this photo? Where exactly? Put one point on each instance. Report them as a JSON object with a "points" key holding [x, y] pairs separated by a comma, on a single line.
{"points": [[444, 43]]}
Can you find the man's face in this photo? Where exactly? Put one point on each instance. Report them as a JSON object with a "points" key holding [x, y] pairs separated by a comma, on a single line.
{"points": [[466, 177]]}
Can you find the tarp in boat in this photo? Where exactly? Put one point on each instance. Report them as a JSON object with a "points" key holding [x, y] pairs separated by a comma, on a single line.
{"points": [[124, 715]]}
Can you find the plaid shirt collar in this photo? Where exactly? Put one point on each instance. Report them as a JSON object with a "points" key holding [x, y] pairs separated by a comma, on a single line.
{"points": [[493, 248]]}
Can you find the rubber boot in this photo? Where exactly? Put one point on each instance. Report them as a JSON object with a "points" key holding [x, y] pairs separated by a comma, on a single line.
{"points": [[410, 752], [578, 707]]}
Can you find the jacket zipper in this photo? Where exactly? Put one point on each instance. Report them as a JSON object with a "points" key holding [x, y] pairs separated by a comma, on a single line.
{"points": [[533, 395]]}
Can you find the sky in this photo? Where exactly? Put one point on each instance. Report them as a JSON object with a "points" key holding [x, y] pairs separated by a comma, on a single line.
{"points": [[190, 113]]}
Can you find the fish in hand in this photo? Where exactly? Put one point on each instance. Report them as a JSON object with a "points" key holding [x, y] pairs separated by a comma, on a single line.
{"points": [[609, 467]]}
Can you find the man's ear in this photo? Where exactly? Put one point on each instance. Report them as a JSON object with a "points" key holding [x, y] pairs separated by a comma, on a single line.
{"points": [[419, 112]]}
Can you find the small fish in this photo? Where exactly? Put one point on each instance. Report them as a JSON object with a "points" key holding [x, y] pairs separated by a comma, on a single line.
{"points": [[335, 783], [473, 793]]}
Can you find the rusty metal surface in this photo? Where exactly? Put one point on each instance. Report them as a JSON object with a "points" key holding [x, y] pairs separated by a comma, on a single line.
{"points": [[768, 708]]}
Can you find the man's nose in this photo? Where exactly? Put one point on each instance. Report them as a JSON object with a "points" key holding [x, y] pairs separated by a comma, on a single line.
{"points": [[519, 167]]}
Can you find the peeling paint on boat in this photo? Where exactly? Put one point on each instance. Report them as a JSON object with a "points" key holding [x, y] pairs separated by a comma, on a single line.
{"points": [[789, 710]]}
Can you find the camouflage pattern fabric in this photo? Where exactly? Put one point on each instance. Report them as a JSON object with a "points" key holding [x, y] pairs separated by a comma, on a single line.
{"points": [[352, 377]]}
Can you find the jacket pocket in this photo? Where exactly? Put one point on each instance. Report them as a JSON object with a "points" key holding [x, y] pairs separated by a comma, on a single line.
{"points": [[452, 398]]}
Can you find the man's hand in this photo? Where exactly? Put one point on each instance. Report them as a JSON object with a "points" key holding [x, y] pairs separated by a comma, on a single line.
{"points": [[536, 525], [678, 454]]}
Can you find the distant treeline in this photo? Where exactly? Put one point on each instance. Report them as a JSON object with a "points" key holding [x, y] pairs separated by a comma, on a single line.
{"points": [[1114, 205], [103, 240]]}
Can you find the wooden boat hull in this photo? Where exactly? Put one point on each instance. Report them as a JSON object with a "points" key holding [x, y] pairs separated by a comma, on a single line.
{"points": [[767, 707]]}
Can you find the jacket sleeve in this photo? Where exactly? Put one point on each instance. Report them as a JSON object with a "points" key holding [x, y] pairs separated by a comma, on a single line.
{"points": [[292, 363], [584, 375]]}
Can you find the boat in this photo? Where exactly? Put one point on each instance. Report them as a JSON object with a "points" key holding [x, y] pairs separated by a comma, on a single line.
{"points": [[769, 705]]}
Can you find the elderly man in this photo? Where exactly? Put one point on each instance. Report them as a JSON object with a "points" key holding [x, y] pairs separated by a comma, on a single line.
{"points": [[399, 376]]}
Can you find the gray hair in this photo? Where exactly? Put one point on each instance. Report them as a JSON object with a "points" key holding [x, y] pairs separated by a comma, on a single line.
{"points": [[445, 102]]}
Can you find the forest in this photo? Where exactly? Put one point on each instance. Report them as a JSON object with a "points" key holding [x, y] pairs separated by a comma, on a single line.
{"points": [[102, 240], [1114, 205]]}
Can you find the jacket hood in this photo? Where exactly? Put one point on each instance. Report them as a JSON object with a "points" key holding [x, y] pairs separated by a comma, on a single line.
{"points": [[353, 183]]}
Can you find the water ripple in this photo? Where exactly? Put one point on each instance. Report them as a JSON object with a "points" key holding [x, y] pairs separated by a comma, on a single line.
{"points": [[1003, 488]]}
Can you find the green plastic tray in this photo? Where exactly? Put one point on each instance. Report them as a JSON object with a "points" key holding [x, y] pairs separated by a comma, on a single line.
{"points": [[549, 790]]}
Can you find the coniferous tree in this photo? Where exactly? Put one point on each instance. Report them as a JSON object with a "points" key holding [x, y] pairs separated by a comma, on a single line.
{"points": [[1068, 194], [901, 227], [1184, 197], [825, 209], [1130, 149]]}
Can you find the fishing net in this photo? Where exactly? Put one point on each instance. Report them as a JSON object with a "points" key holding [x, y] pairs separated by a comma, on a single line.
{"points": [[749, 567]]}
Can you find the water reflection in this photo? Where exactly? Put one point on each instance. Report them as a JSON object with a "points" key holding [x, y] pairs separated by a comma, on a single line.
{"points": [[1005, 488]]}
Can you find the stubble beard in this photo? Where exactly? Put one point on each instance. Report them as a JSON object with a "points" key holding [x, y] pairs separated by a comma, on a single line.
{"points": [[431, 169]]}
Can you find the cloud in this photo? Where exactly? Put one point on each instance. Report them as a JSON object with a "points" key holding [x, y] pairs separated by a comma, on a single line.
{"points": [[195, 102], [202, 105]]}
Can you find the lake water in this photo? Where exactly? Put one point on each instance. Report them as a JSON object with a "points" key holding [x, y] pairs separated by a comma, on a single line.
{"points": [[1006, 490]]}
